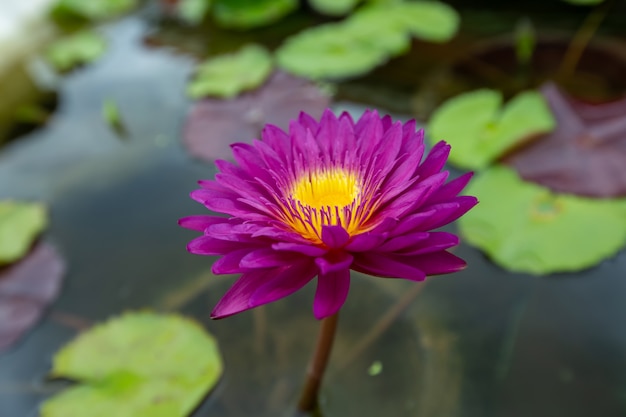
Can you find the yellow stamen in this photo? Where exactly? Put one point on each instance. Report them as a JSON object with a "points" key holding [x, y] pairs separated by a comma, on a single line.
{"points": [[326, 197]]}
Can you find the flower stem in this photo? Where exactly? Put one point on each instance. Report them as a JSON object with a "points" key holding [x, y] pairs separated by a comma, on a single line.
{"points": [[309, 397]]}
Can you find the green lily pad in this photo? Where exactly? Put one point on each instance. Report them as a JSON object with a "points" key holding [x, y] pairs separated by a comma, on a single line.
{"points": [[248, 14], [78, 49], [428, 20], [335, 51], [193, 11], [526, 228], [92, 9], [20, 224], [480, 130], [333, 7], [228, 75], [139, 365]]}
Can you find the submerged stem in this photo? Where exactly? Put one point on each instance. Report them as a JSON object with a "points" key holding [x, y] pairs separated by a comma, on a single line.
{"points": [[309, 397]]}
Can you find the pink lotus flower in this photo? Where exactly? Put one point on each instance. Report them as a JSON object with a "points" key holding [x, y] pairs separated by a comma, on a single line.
{"points": [[323, 199]]}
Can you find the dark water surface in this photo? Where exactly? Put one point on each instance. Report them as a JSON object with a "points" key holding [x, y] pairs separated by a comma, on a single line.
{"points": [[483, 342]]}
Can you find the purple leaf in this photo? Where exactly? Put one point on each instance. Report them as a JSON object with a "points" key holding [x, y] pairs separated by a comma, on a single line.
{"points": [[212, 125], [27, 287]]}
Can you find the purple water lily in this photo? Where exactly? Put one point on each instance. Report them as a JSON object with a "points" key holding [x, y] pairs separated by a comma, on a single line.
{"points": [[323, 199]]}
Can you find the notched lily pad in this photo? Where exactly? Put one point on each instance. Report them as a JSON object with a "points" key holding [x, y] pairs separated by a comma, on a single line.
{"points": [[228, 75], [20, 224], [77, 49], [584, 155], [428, 20], [248, 14], [27, 287], [481, 130], [139, 364], [212, 125], [526, 228]]}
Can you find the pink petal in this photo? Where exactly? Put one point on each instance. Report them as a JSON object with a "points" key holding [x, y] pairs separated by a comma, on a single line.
{"points": [[308, 250], [332, 291], [284, 283], [334, 262], [268, 258], [200, 223], [388, 266], [334, 237]]}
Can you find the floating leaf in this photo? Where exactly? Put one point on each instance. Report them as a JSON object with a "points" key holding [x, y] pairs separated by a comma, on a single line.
{"points": [[480, 130], [333, 7], [228, 75], [352, 47], [193, 11], [80, 48], [333, 51], [212, 125], [526, 228], [20, 224], [427, 20], [92, 9], [27, 287], [248, 14], [139, 364], [585, 154]]}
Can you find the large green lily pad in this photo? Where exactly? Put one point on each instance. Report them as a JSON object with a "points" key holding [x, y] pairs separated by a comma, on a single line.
{"points": [[77, 49], [248, 14], [228, 75], [480, 129], [526, 228], [137, 365], [20, 224]]}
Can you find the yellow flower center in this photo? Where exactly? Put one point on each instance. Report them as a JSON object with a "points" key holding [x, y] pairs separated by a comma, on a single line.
{"points": [[332, 188], [326, 197]]}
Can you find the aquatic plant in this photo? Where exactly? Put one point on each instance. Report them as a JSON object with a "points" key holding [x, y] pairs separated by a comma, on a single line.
{"points": [[320, 200]]}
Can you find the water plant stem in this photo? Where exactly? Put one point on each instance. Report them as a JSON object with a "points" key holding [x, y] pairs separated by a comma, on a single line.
{"points": [[309, 397], [581, 39]]}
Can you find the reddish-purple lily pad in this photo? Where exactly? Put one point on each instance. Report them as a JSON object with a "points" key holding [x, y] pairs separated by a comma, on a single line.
{"points": [[27, 287], [212, 124], [586, 152]]}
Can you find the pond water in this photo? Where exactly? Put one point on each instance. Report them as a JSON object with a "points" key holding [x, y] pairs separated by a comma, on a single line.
{"points": [[483, 342]]}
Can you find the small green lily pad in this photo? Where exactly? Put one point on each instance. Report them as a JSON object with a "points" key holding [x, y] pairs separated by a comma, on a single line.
{"points": [[193, 11], [20, 224], [248, 14], [526, 228], [78, 49], [92, 9], [333, 7], [228, 75], [480, 130], [137, 365]]}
